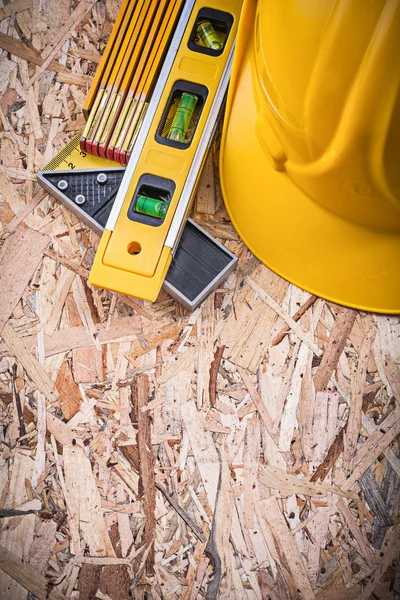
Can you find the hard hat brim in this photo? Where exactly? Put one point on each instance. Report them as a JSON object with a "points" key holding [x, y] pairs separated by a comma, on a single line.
{"points": [[294, 236]]}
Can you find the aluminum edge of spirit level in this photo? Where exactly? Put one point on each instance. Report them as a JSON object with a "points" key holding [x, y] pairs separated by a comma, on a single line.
{"points": [[67, 202], [147, 122], [218, 279], [178, 221]]}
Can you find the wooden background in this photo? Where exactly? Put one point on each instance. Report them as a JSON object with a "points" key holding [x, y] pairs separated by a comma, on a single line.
{"points": [[142, 446]]}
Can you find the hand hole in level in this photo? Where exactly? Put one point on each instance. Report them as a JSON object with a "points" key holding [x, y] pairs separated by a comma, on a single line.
{"points": [[134, 248]]}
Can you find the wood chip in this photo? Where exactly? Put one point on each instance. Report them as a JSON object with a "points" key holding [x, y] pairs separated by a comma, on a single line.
{"points": [[140, 394], [246, 332], [38, 375], [259, 404], [374, 498], [278, 479], [84, 311], [370, 450], [53, 48], [352, 524], [21, 216], [276, 307], [286, 545], [42, 546], [29, 578], [70, 394], [203, 449], [85, 502], [206, 200], [296, 317], [18, 48], [15, 7], [337, 340], [123, 329], [390, 491], [19, 258], [389, 554], [357, 388], [212, 386], [17, 537]]}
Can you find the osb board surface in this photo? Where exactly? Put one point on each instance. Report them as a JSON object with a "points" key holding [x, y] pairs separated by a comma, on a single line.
{"points": [[142, 446]]}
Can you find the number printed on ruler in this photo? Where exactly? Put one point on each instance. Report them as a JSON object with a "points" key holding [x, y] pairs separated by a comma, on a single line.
{"points": [[72, 157], [72, 165]]}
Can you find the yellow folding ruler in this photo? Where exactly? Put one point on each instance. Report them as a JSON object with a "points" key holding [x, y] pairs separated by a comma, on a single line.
{"points": [[137, 245]]}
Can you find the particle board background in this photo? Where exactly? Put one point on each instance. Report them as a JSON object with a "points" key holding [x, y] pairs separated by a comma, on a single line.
{"points": [[249, 450]]}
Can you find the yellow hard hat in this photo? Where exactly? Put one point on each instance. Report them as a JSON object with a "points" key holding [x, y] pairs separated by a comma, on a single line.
{"points": [[310, 156]]}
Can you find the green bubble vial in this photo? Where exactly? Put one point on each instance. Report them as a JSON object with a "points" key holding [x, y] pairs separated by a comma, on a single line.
{"points": [[208, 35], [182, 117], [151, 207]]}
